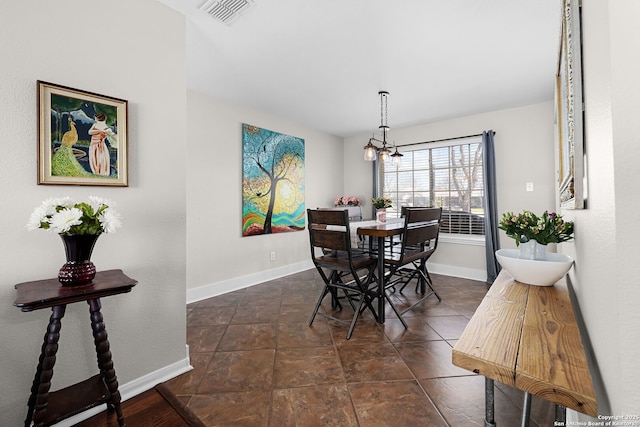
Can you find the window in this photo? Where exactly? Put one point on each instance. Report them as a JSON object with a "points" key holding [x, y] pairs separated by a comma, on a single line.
{"points": [[447, 175]]}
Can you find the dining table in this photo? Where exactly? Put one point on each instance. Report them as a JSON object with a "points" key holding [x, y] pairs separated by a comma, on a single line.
{"points": [[380, 231]]}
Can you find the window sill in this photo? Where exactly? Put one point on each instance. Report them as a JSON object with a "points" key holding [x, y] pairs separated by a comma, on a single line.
{"points": [[459, 239]]}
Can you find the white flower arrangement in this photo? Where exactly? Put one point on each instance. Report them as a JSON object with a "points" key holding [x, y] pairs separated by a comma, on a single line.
{"points": [[64, 216]]}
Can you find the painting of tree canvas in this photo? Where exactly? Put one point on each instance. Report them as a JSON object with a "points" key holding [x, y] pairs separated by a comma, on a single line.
{"points": [[272, 182]]}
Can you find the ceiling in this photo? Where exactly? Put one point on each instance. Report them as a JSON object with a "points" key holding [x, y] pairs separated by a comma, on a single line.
{"points": [[321, 63]]}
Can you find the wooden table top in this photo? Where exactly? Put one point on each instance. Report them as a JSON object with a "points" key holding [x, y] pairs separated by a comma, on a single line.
{"points": [[527, 337], [381, 229], [48, 293]]}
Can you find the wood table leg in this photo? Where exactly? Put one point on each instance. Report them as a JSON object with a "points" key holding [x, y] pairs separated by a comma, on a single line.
{"points": [[38, 399], [105, 363], [489, 406]]}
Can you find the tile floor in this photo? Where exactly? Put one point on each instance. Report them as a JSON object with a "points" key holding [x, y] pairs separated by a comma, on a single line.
{"points": [[258, 363]]}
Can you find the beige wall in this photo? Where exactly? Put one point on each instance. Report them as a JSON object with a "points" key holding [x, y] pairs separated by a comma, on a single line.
{"points": [[524, 153], [219, 259], [169, 241], [111, 48], [606, 273]]}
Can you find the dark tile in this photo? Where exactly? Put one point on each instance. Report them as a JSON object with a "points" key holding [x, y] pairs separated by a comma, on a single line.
{"points": [[372, 362], [366, 331], [247, 409], [461, 401], [430, 359], [257, 362], [187, 383], [210, 316], [343, 313], [449, 293], [297, 313], [238, 371], [542, 412], [417, 330], [429, 307], [312, 406], [204, 338], [300, 297], [261, 298], [248, 337], [231, 299], [448, 327], [300, 334], [401, 403], [300, 367], [256, 314]]}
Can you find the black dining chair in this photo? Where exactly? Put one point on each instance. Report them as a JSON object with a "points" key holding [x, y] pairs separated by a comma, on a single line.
{"points": [[355, 214], [418, 242], [342, 269]]}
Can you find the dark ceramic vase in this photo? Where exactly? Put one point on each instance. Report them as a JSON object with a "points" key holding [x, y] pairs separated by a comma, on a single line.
{"points": [[78, 270]]}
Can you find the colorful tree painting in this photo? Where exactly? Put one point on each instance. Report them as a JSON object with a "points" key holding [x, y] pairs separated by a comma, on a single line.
{"points": [[272, 182]]}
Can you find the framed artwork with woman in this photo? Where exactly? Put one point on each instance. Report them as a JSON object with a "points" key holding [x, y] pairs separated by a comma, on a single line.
{"points": [[82, 137]]}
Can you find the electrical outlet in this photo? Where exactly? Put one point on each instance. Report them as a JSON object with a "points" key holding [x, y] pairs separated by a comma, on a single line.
{"points": [[273, 255]]}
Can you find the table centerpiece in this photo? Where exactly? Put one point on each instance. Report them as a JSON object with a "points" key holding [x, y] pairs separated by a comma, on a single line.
{"points": [[381, 204], [532, 264]]}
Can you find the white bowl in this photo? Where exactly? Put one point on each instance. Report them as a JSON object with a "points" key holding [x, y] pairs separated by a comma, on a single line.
{"points": [[534, 272]]}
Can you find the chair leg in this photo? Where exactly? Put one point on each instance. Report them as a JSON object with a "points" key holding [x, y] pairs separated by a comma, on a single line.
{"points": [[335, 299], [371, 309], [425, 279], [335, 302], [356, 292], [393, 307], [324, 293], [405, 281], [430, 283], [355, 316]]}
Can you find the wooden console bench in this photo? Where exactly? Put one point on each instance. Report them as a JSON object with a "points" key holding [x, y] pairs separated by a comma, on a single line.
{"points": [[527, 337]]}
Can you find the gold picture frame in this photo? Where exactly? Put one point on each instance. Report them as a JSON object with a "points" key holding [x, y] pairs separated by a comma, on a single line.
{"points": [[569, 112], [82, 137]]}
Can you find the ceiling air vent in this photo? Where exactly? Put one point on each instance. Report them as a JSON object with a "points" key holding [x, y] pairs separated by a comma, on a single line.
{"points": [[226, 10]]}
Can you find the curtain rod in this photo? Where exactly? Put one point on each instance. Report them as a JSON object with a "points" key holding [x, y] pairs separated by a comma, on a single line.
{"points": [[440, 140]]}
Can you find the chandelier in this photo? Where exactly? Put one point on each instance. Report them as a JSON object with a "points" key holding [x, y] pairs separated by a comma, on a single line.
{"points": [[371, 151]]}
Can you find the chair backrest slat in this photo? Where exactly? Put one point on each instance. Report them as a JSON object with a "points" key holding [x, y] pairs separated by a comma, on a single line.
{"points": [[422, 228], [422, 214], [329, 229], [354, 212], [421, 234], [330, 239]]}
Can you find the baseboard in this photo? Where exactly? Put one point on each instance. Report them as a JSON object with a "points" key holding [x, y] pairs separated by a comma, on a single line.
{"points": [[135, 387], [455, 271], [225, 286]]}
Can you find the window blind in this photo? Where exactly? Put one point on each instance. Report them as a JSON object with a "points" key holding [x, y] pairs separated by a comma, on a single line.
{"points": [[447, 174]]}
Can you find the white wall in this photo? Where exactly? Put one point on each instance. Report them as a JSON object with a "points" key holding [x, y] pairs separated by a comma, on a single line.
{"points": [[111, 48], [57, 41], [219, 259], [524, 153], [606, 272]]}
